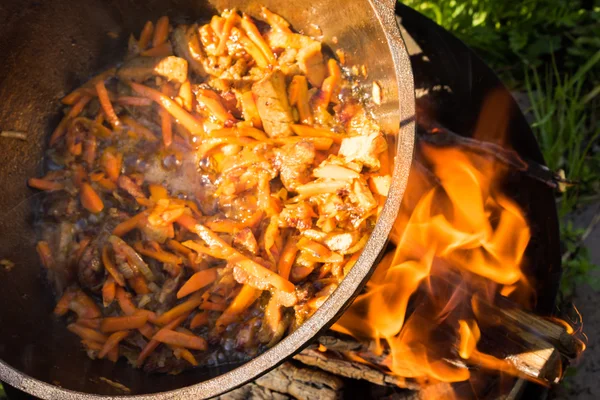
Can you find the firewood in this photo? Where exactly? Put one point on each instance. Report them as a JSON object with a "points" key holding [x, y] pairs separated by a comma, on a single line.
{"points": [[252, 391], [302, 383], [350, 369]]}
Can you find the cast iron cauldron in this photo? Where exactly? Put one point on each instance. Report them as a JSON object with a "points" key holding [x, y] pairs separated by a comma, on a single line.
{"points": [[47, 49]]}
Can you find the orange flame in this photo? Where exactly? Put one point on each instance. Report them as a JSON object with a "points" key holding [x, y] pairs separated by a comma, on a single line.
{"points": [[460, 242]]}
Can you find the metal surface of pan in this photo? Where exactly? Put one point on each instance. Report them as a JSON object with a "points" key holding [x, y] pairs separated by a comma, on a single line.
{"points": [[50, 47]]}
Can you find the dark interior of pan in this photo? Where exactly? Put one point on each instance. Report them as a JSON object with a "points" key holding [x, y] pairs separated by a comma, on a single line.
{"points": [[49, 48]]}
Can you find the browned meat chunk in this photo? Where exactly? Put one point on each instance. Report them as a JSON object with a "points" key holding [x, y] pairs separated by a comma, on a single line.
{"points": [[186, 44], [90, 270], [364, 149], [141, 68], [294, 162], [311, 63], [297, 216], [272, 104], [341, 241], [245, 239]]}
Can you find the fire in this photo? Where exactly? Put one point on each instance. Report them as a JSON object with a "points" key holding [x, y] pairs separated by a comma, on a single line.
{"points": [[457, 238]]}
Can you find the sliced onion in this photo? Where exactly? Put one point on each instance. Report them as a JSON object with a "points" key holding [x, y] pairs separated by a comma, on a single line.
{"points": [[132, 256], [125, 269]]}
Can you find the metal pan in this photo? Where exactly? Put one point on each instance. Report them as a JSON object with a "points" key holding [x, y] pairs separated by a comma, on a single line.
{"points": [[50, 47]]}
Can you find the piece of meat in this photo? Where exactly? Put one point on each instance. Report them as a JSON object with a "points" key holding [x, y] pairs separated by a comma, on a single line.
{"points": [[294, 162], [141, 68], [272, 104], [128, 185], [245, 239], [186, 44], [362, 201], [90, 269], [380, 184], [341, 241], [312, 64], [364, 149], [297, 216]]}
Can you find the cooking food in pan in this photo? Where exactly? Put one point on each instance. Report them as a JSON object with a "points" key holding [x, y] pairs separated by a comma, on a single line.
{"points": [[206, 196]]}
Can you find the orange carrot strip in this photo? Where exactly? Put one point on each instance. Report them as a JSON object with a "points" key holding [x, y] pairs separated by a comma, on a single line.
{"points": [[213, 103], [210, 306], [93, 323], [175, 338], [107, 105], [153, 344], [199, 320], [114, 324], [61, 129], [249, 109], [184, 308], [235, 257], [264, 274], [158, 192], [109, 290], [276, 21], [133, 101], [185, 94], [138, 284], [83, 244], [161, 255], [130, 224], [90, 84], [151, 315], [71, 98], [287, 258], [198, 281], [147, 331], [251, 48], [139, 128], [166, 127], [187, 356], [320, 143], [62, 306], [89, 149], [112, 342], [79, 175], [146, 35], [161, 31], [45, 254], [254, 35], [91, 345], [309, 131], [176, 246], [125, 302], [181, 115], [87, 333], [113, 354], [162, 50], [242, 301], [229, 23], [112, 163], [44, 184], [302, 105], [110, 267], [84, 306]]}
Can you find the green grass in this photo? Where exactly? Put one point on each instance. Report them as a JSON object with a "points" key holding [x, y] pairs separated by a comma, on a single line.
{"points": [[550, 49], [565, 126]]}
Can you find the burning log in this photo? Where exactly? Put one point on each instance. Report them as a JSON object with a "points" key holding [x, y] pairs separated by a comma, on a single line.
{"points": [[338, 365]]}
